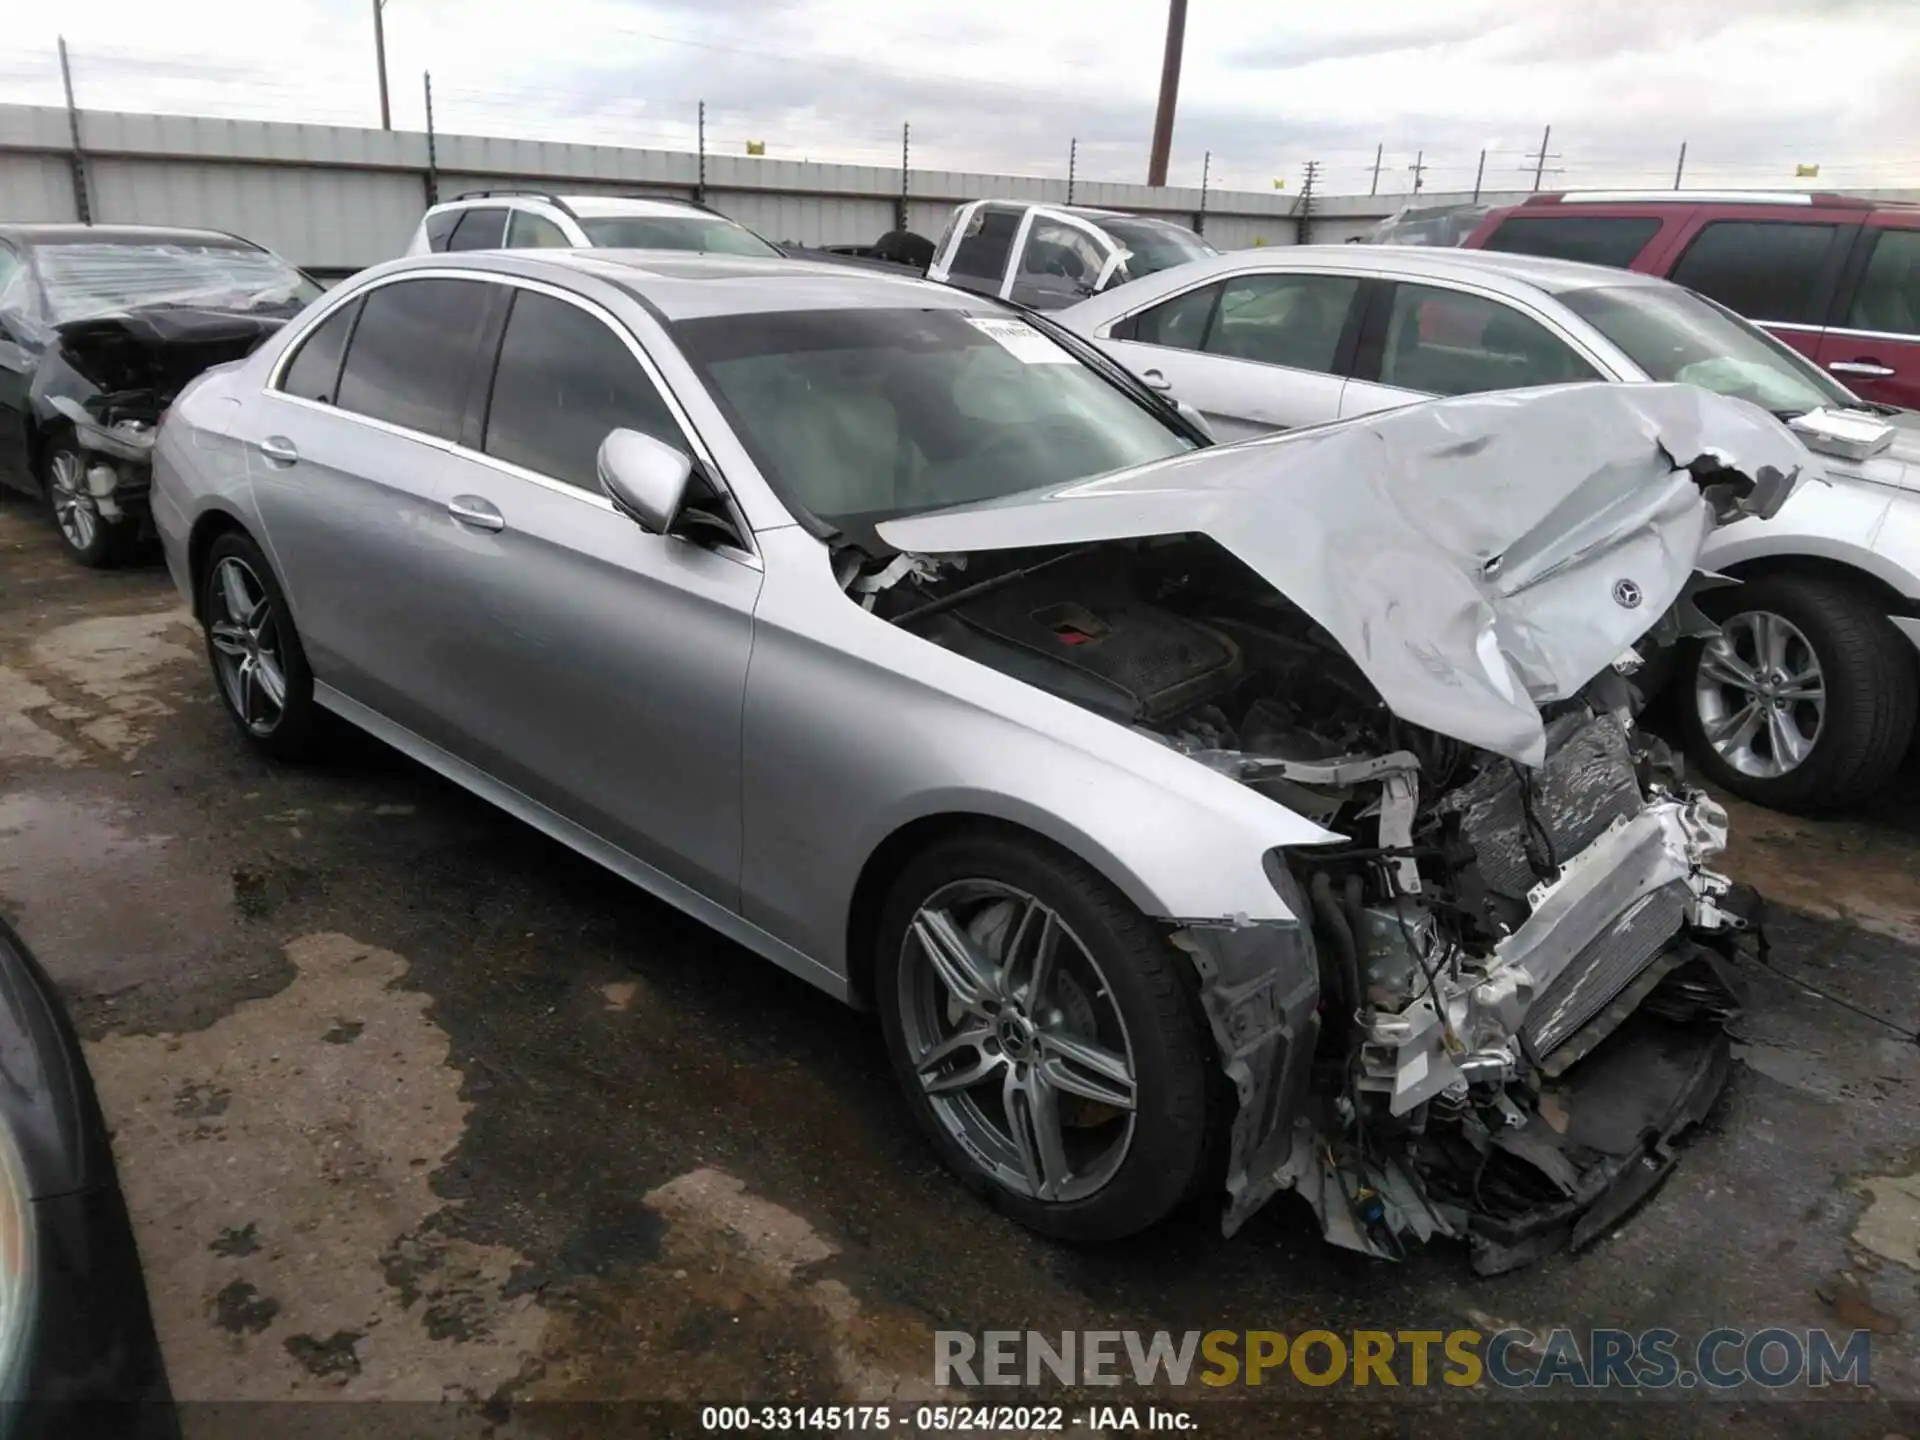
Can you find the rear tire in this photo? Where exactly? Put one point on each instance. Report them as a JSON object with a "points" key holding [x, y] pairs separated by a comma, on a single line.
{"points": [[1115, 996], [258, 664], [90, 538], [1799, 754]]}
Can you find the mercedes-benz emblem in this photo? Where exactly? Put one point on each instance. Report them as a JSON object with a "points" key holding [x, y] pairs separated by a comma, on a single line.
{"points": [[1626, 594]]}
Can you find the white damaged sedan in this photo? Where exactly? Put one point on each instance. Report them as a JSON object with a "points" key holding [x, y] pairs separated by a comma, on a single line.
{"points": [[1196, 819]]}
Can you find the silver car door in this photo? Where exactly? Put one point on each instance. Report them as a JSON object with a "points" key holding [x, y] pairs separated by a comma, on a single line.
{"points": [[1426, 340], [595, 667], [1254, 353], [346, 461]]}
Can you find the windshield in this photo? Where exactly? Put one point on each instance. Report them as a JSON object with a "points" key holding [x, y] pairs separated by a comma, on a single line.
{"points": [[861, 415], [710, 234], [1155, 244], [1434, 225], [1674, 335], [104, 277]]}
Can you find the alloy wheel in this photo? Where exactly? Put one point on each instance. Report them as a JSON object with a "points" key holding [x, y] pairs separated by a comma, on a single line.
{"points": [[1760, 693], [74, 509], [1017, 1039], [246, 642]]}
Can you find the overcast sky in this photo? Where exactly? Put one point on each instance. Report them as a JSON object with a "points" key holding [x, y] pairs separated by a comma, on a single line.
{"points": [[1754, 86]]}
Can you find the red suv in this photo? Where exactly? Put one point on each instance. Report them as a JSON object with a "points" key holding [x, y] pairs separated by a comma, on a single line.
{"points": [[1837, 278]]}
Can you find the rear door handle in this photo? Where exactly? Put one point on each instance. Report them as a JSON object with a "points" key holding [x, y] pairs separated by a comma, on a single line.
{"points": [[480, 514], [1154, 380], [1871, 369], [279, 450]]}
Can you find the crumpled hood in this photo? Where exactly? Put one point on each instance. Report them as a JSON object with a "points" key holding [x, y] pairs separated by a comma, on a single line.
{"points": [[1476, 557], [161, 348]]}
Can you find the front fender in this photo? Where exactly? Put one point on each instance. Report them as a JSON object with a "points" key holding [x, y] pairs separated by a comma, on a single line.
{"points": [[1863, 527], [855, 728]]}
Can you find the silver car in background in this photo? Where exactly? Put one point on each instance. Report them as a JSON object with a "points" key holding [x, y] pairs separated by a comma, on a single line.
{"points": [[1807, 700], [914, 646]]}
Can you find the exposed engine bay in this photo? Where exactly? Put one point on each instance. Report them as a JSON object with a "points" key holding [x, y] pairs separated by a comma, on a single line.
{"points": [[1487, 925]]}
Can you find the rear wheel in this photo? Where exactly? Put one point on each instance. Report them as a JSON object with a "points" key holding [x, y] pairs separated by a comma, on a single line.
{"points": [[258, 664], [1048, 1039], [1806, 699], [91, 538]]}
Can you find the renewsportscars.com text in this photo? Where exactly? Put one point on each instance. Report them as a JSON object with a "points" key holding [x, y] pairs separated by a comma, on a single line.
{"points": [[1596, 1359]]}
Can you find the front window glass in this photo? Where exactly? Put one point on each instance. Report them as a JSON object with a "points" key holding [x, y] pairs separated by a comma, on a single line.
{"points": [[105, 277], [1674, 336], [1447, 342], [1154, 244], [1888, 299], [707, 234], [564, 382], [861, 415]]}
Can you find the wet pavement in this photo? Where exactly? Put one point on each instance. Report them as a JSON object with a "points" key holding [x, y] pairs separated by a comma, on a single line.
{"points": [[411, 1103]]}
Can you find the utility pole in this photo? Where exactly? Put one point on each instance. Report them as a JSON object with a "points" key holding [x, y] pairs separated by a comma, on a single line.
{"points": [[1680, 168], [77, 156], [1304, 214], [1206, 174], [1419, 169], [380, 56], [1540, 159], [1073, 159], [1378, 151], [433, 158], [1478, 175], [1169, 92]]}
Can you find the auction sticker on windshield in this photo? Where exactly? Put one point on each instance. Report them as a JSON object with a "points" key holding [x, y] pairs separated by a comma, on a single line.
{"points": [[1021, 340]]}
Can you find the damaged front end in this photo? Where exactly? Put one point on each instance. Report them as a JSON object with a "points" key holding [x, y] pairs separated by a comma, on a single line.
{"points": [[1505, 993], [109, 379]]}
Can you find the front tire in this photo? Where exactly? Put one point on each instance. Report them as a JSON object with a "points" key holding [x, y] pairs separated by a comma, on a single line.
{"points": [[1048, 1036], [258, 664], [1805, 701], [90, 537]]}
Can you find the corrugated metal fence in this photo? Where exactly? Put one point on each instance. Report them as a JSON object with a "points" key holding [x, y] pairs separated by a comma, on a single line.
{"points": [[338, 198]]}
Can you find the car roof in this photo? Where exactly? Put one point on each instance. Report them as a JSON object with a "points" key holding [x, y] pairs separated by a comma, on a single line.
{"points": [[683, 285], [68, 233], [588, 206], [1432, 261]]}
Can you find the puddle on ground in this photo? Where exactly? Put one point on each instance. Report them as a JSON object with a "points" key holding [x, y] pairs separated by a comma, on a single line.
{"points": [[106, 906], [93, 686], [1849, 870]]}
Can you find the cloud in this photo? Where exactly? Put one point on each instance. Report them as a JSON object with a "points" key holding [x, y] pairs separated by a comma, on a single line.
{"points": [[1751, 85]]}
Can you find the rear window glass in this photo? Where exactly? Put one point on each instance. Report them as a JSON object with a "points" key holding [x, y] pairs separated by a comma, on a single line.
{"points": [[706, 234], [407, 361], [1615, 240], [1763, 269]]}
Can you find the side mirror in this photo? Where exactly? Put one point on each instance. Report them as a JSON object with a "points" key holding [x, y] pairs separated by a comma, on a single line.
{"points": [[645, 478]]}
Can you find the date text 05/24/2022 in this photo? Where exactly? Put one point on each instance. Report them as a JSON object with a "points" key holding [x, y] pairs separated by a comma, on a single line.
{"points": [[941, 1419]]}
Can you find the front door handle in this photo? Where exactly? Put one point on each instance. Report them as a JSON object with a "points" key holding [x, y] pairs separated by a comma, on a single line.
{"points": [[1154, 380], [1869, 369], [279, 450], [480, 514]]}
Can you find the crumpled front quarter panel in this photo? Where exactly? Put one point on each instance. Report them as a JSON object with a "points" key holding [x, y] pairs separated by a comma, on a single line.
{"points": [[855, 728]]}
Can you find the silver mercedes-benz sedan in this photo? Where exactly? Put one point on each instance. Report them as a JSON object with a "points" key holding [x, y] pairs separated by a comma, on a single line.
{"points": [[1194, 818]]}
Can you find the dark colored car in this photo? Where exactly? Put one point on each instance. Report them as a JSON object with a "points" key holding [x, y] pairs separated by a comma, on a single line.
{"points": [[1835, 276], [100, 327], [78, 1354]]}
